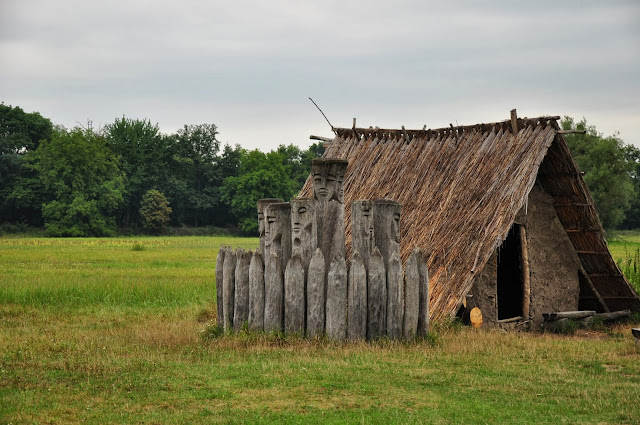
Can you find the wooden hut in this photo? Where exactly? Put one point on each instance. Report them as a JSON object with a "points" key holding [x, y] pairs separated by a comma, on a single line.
{"points": [[502, 210]]}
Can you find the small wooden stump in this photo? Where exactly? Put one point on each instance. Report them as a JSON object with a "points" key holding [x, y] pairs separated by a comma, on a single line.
{"points": [[476, 317]]}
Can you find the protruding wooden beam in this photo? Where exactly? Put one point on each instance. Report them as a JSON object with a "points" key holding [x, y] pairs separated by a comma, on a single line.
{"points": [[514, 121], [322, 139], [572, 131]]}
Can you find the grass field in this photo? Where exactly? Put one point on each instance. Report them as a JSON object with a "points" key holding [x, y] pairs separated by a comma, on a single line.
{"points": [[110, 331]]}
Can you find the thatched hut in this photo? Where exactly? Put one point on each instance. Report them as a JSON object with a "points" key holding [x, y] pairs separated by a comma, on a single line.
{"points": [[502, 210]]}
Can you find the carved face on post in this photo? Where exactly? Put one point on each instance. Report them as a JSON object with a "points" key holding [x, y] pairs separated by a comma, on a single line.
{"points": [[363, 238], [386, 220], [328, 177], [395, 226], [301, 220], [278, 230], [262, 205]]}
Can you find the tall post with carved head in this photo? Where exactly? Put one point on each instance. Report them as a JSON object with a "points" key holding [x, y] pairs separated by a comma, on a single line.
{"points": [[362, 234], [386, 227], [262, 228], [328, 194], [304, 232]]}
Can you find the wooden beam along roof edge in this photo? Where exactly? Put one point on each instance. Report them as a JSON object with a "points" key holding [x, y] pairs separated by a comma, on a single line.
{"points": [[461, 128]]}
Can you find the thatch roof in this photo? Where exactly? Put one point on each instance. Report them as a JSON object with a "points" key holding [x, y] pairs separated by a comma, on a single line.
{"points": [[461, 188]]}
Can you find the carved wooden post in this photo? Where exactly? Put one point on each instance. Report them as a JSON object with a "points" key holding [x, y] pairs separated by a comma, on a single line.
{"points": [[423, 308], [336, 312], [315, 295], [241, 294], [386, 225], [219, 284], [376, 296], [328, 192], [262, 223], [357, 302], [362, 229], [411, 295], [304, 232], [395, 297], [228, 288], [274, 294], [256, 292], [294, 302], [279, 228]]}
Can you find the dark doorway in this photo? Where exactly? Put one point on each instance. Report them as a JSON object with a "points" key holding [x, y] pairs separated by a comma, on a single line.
{"points": [[510, 281]]}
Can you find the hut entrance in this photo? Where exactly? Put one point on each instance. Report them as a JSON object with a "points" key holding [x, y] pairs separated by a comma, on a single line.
{"points": [[510, 289]]}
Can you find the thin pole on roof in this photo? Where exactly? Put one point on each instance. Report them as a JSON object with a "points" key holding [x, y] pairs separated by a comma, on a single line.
{"points": [[325, 117]]}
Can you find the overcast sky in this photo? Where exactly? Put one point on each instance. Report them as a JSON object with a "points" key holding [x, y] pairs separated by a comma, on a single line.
{"points": [[250, 66]]}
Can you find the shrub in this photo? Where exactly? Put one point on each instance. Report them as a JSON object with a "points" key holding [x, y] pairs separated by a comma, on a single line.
{"points": [[154, 211]]}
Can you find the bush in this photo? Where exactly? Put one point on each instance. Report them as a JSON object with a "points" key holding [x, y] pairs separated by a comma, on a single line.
{"points": [[154, 211]]}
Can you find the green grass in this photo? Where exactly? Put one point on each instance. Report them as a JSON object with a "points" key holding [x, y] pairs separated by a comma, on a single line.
{"points": [[92, 331], [625, 248]]}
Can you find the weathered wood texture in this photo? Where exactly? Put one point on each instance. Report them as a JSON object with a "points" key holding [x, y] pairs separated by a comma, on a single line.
{"points": [[304, 231], [256, 292], [219, 290], [316, 295], [357, 301], [411, 296], [294, 300], [278, 237], [336, 310], [376, 297], [615, 315], [526, 277], [423, 308], [362, 229], [395, 297], [386, 227], [228, 284], [262, 224], [274, 294], [327, 176], [241, 294], [568, 315]]}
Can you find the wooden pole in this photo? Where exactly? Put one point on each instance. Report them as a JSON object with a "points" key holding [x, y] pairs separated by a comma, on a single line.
{"points": [[526, 281], [604, 305], [322, 139], [514, 121]]}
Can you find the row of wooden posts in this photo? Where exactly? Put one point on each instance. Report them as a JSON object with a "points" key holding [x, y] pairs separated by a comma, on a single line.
{"points": [[299, 281], [354, 302]]}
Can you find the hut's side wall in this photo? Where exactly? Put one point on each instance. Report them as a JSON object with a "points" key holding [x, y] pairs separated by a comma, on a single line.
{"points": [[484, 291], [553, 265], [553, 261]]}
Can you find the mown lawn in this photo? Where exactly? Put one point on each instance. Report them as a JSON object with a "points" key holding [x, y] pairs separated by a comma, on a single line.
{"points": [[92, 331]]}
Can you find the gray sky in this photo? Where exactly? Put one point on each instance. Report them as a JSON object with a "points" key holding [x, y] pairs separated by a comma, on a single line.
{"points": [[250, 66]]}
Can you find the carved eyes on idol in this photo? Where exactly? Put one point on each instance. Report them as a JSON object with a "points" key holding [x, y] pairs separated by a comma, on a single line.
{"points": [[302, 210]]}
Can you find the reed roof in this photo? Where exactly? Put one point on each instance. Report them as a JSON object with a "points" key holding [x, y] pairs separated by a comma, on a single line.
{"points": [[461, 189]]}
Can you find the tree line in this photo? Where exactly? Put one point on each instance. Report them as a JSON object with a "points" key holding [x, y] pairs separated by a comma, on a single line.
{"points": [[127, 174], [89, 182]]}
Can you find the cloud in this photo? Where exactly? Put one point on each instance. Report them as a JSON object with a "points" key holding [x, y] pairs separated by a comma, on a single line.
{"points": [[249, 66]]}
